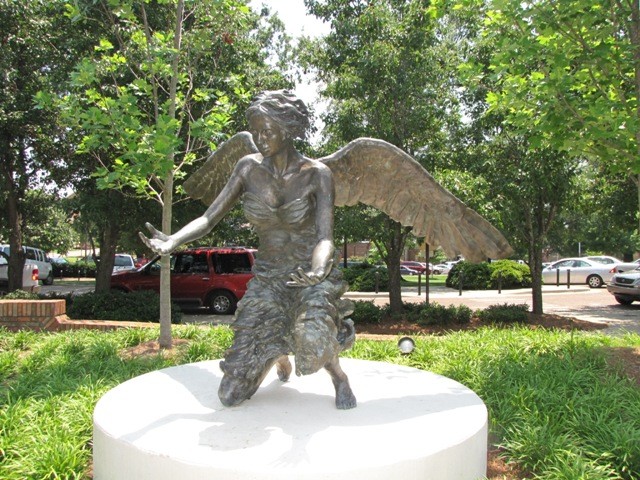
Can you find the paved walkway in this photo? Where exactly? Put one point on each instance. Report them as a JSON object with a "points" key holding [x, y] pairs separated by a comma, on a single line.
{"points": [[594, 305]]}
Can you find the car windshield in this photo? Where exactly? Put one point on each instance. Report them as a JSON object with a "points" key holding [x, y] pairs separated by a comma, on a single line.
{"points": [[123, 261]]}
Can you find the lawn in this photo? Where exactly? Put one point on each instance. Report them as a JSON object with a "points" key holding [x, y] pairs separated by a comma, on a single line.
{"points": [[557, 406]]}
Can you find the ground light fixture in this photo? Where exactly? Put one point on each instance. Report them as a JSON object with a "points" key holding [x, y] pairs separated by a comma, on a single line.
{"points": [[406, 345]]}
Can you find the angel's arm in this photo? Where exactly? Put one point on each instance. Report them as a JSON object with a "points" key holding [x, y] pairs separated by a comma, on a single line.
{"points": [[164, 244]]}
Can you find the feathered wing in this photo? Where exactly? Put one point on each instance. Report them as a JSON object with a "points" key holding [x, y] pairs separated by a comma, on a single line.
{"points": [[379, 174], [207, 182]]}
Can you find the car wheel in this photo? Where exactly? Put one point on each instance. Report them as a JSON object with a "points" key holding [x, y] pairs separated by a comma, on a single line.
{"points": [[623, 300], [436, 272], [594, 281], [49, 279], [222, 303]]}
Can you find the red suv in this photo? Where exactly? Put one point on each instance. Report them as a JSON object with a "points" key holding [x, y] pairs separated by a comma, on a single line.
{"points": [[203, 276]]}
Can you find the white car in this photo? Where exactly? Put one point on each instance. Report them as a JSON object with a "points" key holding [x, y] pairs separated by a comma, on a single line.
{"points": [[625, 287], [38, 258], [627, 266], [29, 275], [441, 269], [580, 271]]}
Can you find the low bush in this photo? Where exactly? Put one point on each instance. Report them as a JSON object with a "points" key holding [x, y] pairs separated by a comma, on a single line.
{"points": [[436, 314], [75, 270], [20, 295], [509, 274], [484, 276], [366, 312], [473, 276], [142, 306], [365, 278], [504, 313]]}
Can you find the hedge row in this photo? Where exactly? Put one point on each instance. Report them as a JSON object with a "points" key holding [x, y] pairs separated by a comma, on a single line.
{"points": [[141, 306], [489, 276], [436, 314]]}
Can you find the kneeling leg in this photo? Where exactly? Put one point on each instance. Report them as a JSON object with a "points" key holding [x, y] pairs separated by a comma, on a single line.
{"points": [[234, 390]]}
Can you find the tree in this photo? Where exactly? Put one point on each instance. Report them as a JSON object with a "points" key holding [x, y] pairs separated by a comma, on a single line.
{"points": [[38, 50], [568, 73], [387, 77], [158, 93]]}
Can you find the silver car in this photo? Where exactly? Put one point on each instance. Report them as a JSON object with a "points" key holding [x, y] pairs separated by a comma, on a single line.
{"points": [[625, 287], [579, 271]]}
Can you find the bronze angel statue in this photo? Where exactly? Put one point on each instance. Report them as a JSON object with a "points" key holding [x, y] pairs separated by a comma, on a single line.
{"points": [[294, 303]]}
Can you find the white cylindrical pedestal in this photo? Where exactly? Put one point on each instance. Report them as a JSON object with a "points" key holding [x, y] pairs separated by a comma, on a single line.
{"points": [[409, 424]]}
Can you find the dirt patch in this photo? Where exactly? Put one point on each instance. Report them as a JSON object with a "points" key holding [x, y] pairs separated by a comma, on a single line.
{"points": [[152, 348], [393, 327]]}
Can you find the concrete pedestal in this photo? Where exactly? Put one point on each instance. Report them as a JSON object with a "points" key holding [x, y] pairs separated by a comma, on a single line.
{"points": [[409, 424]]}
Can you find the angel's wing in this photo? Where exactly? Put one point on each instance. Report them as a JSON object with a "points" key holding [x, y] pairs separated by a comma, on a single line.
{"points": [[379, 174], [207, 182]]}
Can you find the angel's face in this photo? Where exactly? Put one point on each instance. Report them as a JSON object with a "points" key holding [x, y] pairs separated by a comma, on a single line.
{"points": [[268, 135]]}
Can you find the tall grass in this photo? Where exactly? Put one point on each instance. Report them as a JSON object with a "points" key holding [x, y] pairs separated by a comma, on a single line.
{"points": [[557, 407]]}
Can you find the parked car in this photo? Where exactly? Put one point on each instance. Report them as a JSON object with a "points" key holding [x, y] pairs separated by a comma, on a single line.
{"points": [[206, 276], [582, 271], [29, 275], [407, 271], [627, 266], [121, 262], [604, 259], [441, 269], [417, 266], [625, 287], [38, 258]]}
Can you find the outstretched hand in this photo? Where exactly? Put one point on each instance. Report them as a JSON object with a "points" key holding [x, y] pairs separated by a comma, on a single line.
{"points": [[159, 242], [300, 278]]}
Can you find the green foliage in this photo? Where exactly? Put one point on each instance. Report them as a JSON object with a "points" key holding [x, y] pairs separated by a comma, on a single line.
{"points": [[473, 276], [505, 313], [485, 276], [366, 312], [142, 306], [436, 314], [75, 270], [557, 408], [20, 295], [509, 274], [365, 278]]}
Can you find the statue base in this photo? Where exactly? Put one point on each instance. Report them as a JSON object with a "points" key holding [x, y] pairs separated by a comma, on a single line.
{"points": [[409, 424]]}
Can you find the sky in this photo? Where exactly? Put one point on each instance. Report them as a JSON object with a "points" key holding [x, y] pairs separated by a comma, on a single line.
{"points": [[296, 21]]}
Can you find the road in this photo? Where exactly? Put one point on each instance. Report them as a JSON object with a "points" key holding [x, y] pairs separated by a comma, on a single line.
{"points": [[595, 305]]}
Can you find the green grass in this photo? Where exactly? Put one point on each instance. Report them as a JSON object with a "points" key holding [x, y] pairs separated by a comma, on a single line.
{"points": [[434, 280], [557, 407]]}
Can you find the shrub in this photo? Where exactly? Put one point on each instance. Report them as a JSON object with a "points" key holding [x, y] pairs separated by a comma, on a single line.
{"points": [[510, 274], [142, 306], [484, 276], [474, 276], [436, 314], [20, 295], [366, 312], [504, 313], [363, 278]]}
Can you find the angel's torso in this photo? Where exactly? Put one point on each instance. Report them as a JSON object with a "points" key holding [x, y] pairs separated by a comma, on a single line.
{"points": [[283, 210]]}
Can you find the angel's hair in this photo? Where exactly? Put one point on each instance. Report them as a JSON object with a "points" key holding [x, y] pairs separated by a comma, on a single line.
{"points": [[285, 109]]}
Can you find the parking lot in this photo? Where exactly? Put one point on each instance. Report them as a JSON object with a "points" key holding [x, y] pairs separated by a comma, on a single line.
{"points": [[591, 304]]}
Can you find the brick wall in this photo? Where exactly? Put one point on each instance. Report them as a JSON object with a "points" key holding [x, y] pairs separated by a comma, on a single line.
{"points": [[50, 315]]}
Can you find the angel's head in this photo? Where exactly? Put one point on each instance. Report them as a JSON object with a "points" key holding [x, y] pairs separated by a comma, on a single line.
{"points": [[284, 108]]}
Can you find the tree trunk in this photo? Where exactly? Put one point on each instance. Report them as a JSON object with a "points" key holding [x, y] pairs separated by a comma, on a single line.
{"points": [[394, 248], [535, 264], [16, 257], [108, 244]]}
